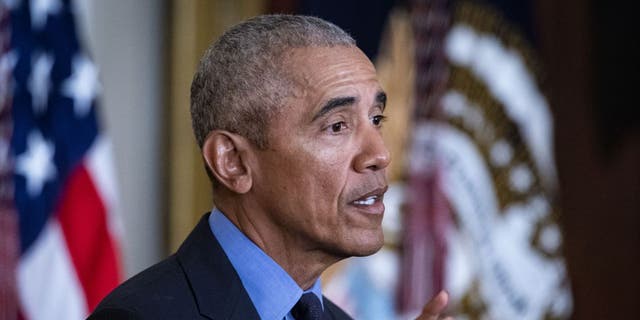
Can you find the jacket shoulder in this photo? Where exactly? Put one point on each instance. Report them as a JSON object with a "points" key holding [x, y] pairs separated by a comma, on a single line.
{"points": [[108, 313], [159, 292]]}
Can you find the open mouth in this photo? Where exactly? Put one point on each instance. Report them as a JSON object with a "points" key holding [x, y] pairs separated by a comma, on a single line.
{"points": [[370, 198], [367, 202]]}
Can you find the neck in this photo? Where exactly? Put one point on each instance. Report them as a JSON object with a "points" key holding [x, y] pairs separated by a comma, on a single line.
{"points": [[303, 263]]}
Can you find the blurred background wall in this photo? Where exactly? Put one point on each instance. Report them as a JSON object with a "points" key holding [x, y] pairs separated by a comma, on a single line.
{"points": [[592, 52], [128, 41]]}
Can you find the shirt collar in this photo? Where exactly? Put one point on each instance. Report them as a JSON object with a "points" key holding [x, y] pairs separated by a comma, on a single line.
{"points": [[271, 289]]}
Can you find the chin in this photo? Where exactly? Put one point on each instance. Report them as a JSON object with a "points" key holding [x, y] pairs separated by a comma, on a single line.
{"points": [[365, 245], [367, 251]]}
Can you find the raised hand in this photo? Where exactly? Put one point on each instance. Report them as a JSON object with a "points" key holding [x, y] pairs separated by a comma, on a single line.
{"points": [[435, 307]]}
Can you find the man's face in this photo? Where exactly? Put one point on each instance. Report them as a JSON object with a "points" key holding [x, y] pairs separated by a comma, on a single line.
{"points": [[322, 178]]}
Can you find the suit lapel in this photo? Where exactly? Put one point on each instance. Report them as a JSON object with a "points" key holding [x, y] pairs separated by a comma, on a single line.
{"points": [[215, 284], [333, 312]]}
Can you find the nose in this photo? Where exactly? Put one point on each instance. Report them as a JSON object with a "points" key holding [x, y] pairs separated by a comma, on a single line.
{"points": [[373, 155]]}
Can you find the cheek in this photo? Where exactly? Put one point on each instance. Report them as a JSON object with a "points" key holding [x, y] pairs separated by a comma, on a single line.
{"points": [[318, 175], [329, 176]]}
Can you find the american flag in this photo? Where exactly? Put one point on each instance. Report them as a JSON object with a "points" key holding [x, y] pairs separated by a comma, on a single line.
{"points": [[57, 193]]}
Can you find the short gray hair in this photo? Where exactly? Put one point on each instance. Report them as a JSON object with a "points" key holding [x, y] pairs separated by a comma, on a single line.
{"points": [[241, 81]]}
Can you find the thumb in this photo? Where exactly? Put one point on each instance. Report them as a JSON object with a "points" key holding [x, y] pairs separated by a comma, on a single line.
{"points": [[434, 307]]}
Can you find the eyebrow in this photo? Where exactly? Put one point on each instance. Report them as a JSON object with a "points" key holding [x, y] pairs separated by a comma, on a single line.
{"points": [[381, 98], [333, 104]]}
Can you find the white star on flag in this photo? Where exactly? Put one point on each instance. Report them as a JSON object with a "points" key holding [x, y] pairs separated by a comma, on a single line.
{"points": [[40, 11], [8, 61], [83, 85], [11, 4], [36, 163], [40, 83]]}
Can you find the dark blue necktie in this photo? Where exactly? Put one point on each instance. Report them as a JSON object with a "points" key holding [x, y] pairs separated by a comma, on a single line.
{"points": [[307, 308]]}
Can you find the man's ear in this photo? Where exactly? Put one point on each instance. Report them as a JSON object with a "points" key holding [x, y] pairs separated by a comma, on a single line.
{"points": [[225, 154]]}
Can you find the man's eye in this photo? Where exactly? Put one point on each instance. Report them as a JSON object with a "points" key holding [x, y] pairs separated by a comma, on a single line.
{"points": [[338, 126], [378, 120]]}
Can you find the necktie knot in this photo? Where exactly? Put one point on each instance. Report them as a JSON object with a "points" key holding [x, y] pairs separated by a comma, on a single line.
{"points": [[307, 308]]}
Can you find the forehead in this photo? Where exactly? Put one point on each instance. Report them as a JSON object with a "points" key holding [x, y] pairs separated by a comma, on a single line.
{"points": [[321, 71]]}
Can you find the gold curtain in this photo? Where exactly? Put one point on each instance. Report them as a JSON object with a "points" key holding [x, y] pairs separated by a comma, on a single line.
{"points": [[194, 25], [396, 72]]}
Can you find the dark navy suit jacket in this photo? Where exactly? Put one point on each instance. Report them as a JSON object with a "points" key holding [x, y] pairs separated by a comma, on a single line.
{"points": [[197, 282]]}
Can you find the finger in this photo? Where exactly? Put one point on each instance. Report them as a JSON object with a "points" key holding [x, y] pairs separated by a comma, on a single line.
{"points": [[432, 310], [437, 304]]}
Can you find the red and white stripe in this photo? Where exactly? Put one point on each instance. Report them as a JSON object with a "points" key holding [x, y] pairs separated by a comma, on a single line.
{"points": [[74, 262]]}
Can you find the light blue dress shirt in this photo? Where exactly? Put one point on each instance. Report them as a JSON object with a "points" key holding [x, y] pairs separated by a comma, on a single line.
{"points": [[271, 289]]}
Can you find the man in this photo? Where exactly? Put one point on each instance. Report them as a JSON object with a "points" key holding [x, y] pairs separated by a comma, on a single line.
{"points": [[287, 112]]}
